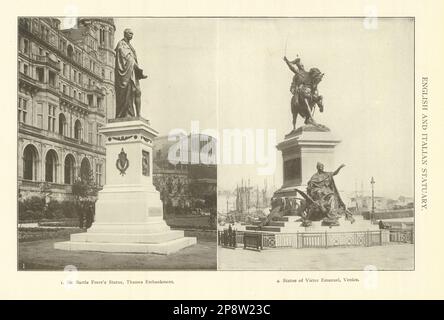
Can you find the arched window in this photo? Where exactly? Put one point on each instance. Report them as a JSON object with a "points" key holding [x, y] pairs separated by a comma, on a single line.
{"points": [[30, 159], [69, 169], [85, 169], [51, 166], [78, 130], [63, 125]]}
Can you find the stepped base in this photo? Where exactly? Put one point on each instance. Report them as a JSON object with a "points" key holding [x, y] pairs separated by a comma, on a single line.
{"points": [[128, 211], [154, 236], [166, 247], [292, 224], [127, 238]]}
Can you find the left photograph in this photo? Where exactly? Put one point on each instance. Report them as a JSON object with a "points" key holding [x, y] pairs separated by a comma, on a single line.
{"points": [[115, 168]]}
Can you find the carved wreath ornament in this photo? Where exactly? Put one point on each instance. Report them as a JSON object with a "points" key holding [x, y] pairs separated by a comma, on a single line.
{"points": [[122, 162]]}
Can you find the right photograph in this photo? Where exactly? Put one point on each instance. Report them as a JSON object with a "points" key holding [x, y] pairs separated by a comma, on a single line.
{"points": [[316, 122]]}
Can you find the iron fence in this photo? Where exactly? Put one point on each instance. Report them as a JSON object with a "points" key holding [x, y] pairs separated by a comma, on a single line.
{"points": [[402, 235], [263, 240], [253, 240], [227, 238]]}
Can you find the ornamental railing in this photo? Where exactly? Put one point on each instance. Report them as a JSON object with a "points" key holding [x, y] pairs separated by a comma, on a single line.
{"points": [[402, 235], [264, 240], [227, 238], [46, 60], [329, 239]]}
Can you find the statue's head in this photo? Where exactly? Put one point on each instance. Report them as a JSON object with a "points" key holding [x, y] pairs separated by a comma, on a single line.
{"points": [[320, 167], [316, 75], [128, 34]]}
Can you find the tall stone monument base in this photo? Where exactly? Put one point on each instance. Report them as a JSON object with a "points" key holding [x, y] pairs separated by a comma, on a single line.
{"points": [[301, 150], [129, 212]]}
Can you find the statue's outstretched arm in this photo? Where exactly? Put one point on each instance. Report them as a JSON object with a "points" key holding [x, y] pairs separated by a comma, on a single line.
{"points": [[292, 68], [338, 169]]}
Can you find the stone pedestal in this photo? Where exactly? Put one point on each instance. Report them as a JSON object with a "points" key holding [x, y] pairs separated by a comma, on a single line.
{"points": [[302, 150], [129, 214]]}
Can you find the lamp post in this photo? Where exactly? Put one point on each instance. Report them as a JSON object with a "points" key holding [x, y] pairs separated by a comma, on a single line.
{"points": [[372, 181]]}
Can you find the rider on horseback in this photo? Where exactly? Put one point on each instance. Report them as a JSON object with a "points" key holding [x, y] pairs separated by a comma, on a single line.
{"points": [[304, 90]]}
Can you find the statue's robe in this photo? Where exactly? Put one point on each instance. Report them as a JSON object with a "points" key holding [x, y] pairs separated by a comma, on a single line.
{"points": [[322, 189], [126, 79]]}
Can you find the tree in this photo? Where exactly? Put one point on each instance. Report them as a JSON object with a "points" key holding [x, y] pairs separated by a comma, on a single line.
{"points": [[45, 189], [84, 191], [83, 187]]}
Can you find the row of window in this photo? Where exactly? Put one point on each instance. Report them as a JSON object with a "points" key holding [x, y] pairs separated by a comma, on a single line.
{"points": [[30, 169], [78, 95], [25, 48], [24, 110], [64, 88], [70, 73]]}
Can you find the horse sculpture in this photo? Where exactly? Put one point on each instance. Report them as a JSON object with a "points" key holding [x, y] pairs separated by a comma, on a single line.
{"points": [[305, 93]]}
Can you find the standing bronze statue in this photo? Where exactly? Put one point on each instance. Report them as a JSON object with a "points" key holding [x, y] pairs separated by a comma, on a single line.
{"points": [[304, 89], [127, 76]]}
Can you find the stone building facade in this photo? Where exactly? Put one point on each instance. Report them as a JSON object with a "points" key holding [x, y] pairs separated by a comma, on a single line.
{"points": [[65, 94]]}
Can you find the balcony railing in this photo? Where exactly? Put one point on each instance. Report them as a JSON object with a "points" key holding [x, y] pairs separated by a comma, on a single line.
{"points": [[93, 88], [46, 60], [73, 100]]}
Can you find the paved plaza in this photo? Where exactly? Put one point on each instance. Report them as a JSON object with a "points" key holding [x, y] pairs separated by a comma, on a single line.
{"points": [[388, 257]]}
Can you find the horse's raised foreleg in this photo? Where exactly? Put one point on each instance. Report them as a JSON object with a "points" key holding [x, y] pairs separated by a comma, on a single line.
{"points": [[309, 118]]}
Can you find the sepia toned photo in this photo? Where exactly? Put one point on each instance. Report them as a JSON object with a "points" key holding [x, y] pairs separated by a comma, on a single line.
{"points": [[222, 150], [100, 186], [324, 174], [196, 144]]}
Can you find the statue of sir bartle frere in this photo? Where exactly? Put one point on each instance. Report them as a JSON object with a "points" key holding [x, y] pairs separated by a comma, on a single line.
{"points": [[304, 89], [127, 76]]}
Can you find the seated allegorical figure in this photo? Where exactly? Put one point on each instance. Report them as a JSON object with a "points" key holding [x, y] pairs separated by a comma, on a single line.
{"points": [[326, 203]]}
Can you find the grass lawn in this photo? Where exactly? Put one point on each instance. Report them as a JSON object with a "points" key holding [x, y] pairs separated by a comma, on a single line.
{"points": [[36, 252], [43, 233]]}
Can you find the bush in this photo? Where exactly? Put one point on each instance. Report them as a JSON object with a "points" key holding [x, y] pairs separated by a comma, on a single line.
{"points": [[52, 210], [69, 209], [31, 215], [34, 209], [35, 204], [62, 209], [31, 208]]}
